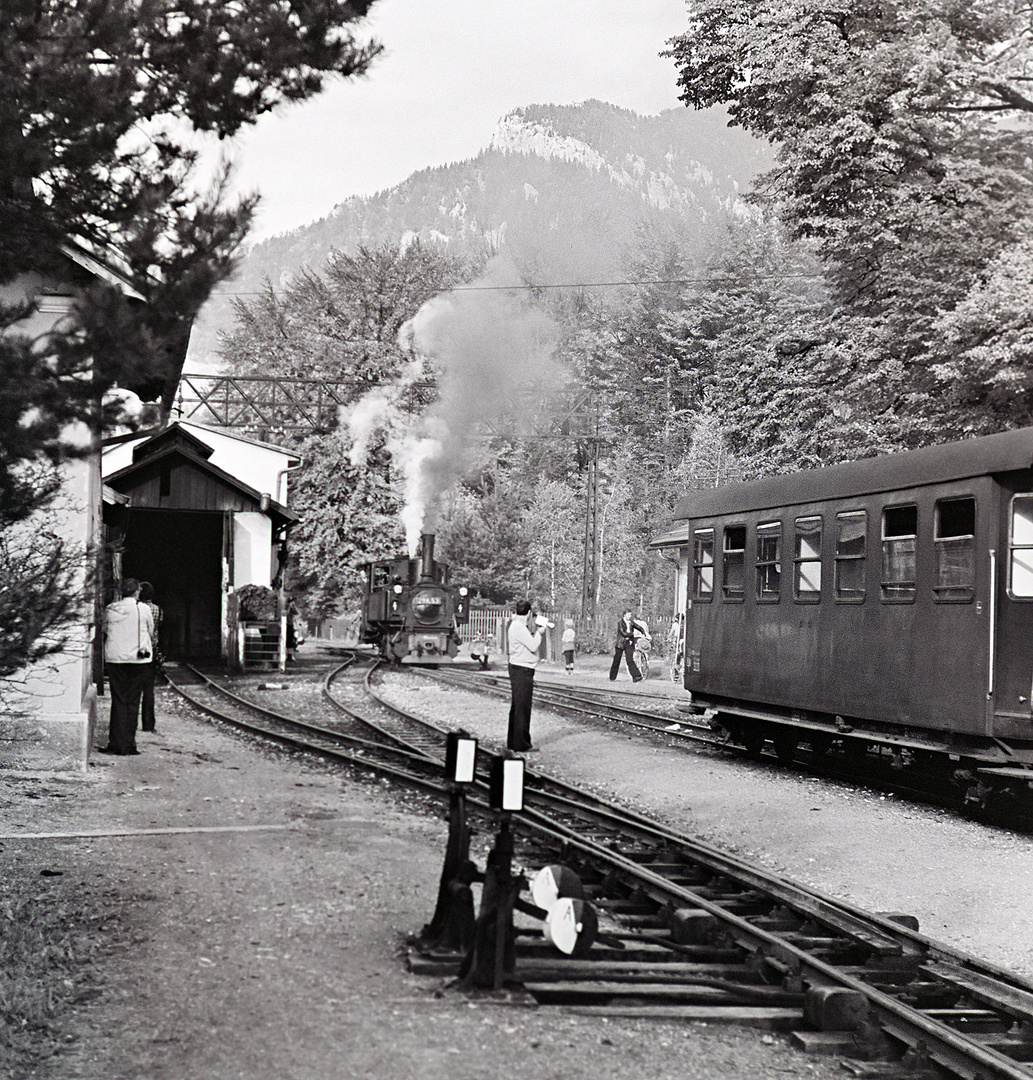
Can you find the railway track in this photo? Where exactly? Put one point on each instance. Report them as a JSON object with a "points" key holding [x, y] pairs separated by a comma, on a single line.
{"points": [[832, 754], [686, 930]]}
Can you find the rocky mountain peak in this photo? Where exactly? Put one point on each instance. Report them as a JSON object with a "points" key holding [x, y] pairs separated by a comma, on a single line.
{"points": [[563, 188]]}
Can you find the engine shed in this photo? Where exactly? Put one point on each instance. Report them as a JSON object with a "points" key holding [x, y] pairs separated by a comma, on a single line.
{"points": [[202, 520]]}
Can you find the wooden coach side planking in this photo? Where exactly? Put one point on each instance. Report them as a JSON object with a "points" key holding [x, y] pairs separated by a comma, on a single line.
{"points": [[894, 593]]}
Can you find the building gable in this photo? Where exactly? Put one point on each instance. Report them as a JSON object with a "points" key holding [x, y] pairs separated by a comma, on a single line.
{"points": [[174, 480], [174, 437]]}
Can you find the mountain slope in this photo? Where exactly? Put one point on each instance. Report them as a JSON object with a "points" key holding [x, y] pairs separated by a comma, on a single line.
{"points": [[565, 190]]}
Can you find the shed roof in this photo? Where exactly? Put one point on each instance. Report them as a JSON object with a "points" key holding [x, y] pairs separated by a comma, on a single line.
{"points": [[171, 436], [106, 264], [193, 426], [983, 456], [124, 478], [673, 536], [239, 436]]}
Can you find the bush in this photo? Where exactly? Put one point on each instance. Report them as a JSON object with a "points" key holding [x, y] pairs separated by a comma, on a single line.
{"points": [[256, 603]]}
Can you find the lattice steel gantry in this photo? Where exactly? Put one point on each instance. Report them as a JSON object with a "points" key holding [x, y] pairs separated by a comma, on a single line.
{"points": [[267, 405]]}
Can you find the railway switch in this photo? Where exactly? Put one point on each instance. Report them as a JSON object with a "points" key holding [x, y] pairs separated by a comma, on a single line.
{"points": [[506, 785], [834, 1008], [553, 883], [491, 962], [572, 926], [693, 926], [460, 757]]}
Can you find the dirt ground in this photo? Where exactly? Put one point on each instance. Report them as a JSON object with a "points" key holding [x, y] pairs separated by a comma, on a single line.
{"points": [[246, 913]]}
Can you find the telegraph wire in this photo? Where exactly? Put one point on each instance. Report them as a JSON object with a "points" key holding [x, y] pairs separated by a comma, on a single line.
{"points": [[577, 284]]}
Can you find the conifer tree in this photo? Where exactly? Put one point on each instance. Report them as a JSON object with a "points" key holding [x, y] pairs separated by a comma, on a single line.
{"points": [[100, 102]]}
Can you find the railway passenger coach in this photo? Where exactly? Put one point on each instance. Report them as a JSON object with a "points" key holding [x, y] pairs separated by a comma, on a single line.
{"points": [[885, 603]]}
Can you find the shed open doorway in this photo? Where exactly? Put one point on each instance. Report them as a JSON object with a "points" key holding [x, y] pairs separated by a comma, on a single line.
{"points": [[180, 554]]}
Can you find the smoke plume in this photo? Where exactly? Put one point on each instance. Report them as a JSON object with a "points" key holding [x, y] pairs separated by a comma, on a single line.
{"points": [[488, 347]]}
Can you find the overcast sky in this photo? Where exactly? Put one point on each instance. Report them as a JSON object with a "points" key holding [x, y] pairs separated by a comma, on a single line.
{"points": [[450, 70]]}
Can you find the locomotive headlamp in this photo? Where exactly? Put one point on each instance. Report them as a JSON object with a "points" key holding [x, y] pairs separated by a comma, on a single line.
{"points": [[506, 784], [398, 590], [460, 757], [428, 605], [463, 590]]}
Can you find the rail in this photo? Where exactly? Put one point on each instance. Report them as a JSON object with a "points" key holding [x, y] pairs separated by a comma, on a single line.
{"points": [[876, 987]]}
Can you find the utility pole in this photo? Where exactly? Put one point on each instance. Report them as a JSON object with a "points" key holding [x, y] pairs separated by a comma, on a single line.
{"points": [[589, 584]]}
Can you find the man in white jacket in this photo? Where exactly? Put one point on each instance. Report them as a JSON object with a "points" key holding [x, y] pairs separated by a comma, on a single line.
{"points": [[524, 640], [128, 649]]}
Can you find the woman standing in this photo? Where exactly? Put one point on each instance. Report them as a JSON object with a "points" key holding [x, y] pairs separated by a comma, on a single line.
{"points": [[568, 644]]}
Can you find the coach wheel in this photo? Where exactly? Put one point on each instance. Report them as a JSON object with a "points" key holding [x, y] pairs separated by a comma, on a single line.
{"points": [[855, 749], [785, 746], [820, 744], [753, 740]]}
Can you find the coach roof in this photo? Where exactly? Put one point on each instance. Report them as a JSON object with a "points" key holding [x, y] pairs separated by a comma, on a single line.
{"points": [[984, 456]]}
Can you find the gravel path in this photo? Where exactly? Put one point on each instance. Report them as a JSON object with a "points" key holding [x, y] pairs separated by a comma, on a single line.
{"points": [[242, 914]]}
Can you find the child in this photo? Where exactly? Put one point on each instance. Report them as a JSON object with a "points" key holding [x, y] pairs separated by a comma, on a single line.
{"points": [[568, 644]]}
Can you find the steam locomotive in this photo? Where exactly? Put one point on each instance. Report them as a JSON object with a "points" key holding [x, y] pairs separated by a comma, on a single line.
{"points": [[410, 611]]}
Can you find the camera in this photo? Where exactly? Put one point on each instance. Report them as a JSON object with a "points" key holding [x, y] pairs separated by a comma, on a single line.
{"points": [[143, 654]]}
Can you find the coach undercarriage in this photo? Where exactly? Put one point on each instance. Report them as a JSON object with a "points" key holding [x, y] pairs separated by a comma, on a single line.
{"points": [[986, 774]]}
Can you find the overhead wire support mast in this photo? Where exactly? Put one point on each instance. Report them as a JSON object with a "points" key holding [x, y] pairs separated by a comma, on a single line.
{"points": [[264, 404]]}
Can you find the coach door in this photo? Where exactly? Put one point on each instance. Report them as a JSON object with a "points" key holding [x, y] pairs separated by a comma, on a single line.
{"points": [[700, 599], [1012, 620]]}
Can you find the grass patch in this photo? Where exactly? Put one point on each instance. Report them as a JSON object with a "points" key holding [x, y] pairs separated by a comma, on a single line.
{"points": [[50, 933]]}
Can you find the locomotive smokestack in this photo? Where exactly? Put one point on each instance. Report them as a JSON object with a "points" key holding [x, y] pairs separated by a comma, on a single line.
{"points": [[427, 556]]}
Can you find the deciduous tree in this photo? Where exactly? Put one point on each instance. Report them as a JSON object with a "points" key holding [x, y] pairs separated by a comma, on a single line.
{"points": [[892, 157], [986, 343], [340, 322]]}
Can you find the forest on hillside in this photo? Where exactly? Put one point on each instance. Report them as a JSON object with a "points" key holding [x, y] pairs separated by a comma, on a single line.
{"points": [[877, 296]]}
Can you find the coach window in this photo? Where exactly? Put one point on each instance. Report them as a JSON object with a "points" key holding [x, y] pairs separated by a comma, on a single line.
{"points": [[807, 560], [851, 548], [734, 561], [769, 560], [899, 545], [954, 539], [703, 564], [1021, 543]]}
